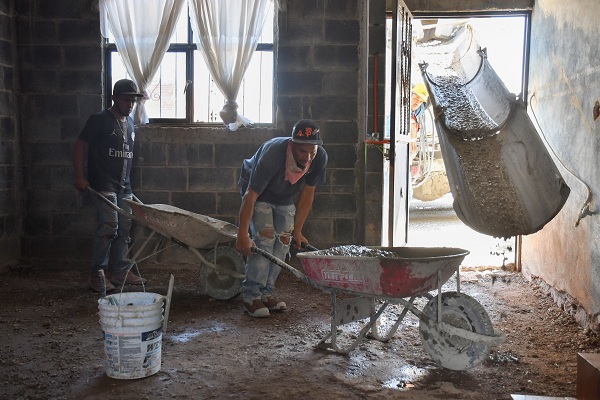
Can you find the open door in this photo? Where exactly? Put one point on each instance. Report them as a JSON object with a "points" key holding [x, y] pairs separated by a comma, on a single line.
{"points": [[396, 170]]}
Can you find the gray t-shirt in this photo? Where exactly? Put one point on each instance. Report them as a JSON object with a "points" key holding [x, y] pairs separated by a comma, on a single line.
{"points": [[264, 173]]}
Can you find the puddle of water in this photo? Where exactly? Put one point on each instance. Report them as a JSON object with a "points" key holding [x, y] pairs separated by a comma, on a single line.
{"points": [[406, 377], [189, 335]]}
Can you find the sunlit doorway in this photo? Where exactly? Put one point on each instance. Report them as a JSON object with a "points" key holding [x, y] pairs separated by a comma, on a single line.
{"points": [[432, 220]]}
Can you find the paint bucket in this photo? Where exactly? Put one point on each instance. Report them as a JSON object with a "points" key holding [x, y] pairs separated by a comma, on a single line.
{"points": [[132, 325]]}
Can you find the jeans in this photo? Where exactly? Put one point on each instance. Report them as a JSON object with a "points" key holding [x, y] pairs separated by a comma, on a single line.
{"points": [[261, 273], [111, 241]]}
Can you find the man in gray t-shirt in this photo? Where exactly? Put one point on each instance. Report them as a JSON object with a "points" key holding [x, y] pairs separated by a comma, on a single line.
{"points": [[283, 172]]}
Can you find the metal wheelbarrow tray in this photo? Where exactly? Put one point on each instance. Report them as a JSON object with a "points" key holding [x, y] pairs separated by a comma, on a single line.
{"points": [[221, 268], [455, 329]]}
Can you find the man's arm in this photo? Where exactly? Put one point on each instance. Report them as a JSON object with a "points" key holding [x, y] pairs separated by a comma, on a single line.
{"points": [[302, 210], [80, 183], [244, 243]]}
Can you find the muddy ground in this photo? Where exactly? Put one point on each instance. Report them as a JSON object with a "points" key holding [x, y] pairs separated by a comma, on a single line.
{"points": [[52, 345]]}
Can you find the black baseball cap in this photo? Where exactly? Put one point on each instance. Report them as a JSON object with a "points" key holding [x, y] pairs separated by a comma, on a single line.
{"points": [[307, 132], [126, 87]]}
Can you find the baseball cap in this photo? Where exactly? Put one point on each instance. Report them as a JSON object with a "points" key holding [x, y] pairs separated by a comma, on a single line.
{"points": [[126, 87], [306, 131]]}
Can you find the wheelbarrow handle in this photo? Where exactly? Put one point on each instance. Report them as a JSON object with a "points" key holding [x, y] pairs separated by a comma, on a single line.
{"points": [[308, 247], [110, 203], [281, 263]]}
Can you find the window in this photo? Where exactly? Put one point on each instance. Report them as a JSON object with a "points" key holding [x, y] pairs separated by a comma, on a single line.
{"points": [[183, 90]]}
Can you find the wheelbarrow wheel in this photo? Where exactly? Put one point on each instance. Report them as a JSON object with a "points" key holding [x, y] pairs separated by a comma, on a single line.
{"points": [[219, 285], [450, 351]]}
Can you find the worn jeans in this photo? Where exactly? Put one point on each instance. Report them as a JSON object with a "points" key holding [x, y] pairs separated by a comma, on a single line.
{"points": [[111, 241], [261, 273]]}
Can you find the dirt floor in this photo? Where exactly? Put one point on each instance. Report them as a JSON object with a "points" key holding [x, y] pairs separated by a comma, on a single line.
{"points": [[52, 345]]}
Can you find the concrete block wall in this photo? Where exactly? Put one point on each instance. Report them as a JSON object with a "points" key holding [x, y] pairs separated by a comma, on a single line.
{"points": [[318, 77], [321, 73], [60, 66], [9, 143]]}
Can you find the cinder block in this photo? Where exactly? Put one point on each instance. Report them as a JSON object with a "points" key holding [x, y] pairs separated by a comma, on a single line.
{"points": [[5, 32], [336, 107], [293, 57], [300, 83], [344, 230], [319, 231], [150, 154], [339, 132], [341, 156], [588, 376], [191, 154], [228, 203], [7, 128], [6, 53], [345, 9], [6, 103], [48, 56], [338, 205], [164, 178], [200, 203], [232, 155], [45, 32], [341, 83], [344, 31], [212, 179], [343, 177], [339, 57]]}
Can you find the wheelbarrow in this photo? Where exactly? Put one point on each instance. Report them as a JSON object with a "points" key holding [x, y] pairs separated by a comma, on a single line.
{"points": [[221, 266], [455, 329]]}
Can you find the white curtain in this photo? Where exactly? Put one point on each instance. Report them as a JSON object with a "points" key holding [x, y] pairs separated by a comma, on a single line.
{"points": [[142, 31], [228, 32]]}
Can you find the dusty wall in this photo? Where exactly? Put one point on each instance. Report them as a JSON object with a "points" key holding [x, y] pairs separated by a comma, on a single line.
{"points": [[564, 84], [321, 73], [9, 141]]}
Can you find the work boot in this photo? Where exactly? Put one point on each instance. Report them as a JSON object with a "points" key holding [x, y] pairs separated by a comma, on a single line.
{"points": [[96, 285], [257, 309], [130, 279], [273, 304]]}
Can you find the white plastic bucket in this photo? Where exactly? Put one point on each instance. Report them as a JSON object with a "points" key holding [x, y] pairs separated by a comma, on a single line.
{"points": [[132, 325]]}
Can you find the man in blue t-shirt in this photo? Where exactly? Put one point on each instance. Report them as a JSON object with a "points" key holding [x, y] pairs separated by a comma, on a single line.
{"points": [[283, 171], [108, 136]]}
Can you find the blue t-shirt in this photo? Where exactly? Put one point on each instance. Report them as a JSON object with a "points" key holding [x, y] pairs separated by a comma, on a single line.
{"points": [[264, 173]]}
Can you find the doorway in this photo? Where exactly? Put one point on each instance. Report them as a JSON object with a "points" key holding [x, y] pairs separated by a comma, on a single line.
{"points": [[431, 219]]}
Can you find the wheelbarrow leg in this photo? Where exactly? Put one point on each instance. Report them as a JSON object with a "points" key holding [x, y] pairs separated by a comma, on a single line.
{"points": [[361, 308], [392, 331]]}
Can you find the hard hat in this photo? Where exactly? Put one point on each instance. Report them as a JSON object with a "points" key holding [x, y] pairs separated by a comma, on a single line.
{"points": [[420, 90]]}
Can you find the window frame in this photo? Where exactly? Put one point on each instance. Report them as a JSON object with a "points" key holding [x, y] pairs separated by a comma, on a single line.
{"points": [[188, 49]]}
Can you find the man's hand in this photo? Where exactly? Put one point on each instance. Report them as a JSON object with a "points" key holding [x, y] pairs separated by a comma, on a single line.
{"points": [[299, 239], [81, 184], [243, 244]]}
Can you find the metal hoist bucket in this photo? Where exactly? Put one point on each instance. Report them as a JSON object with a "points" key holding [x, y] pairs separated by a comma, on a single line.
{"points": [[502, 177]]}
